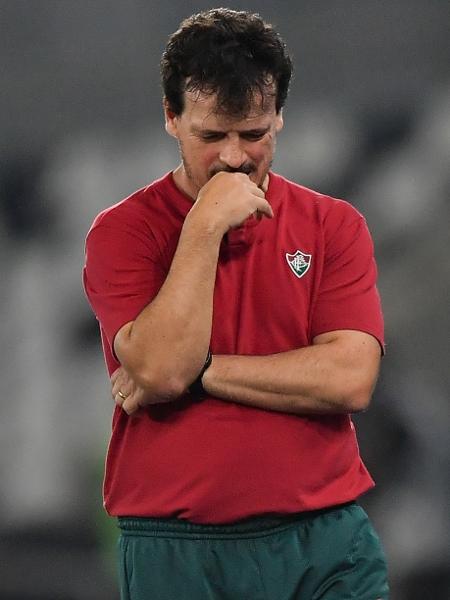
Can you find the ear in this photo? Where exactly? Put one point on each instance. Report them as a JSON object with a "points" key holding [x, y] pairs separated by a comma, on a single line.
{"points": [[171, 120], [279, 121]]}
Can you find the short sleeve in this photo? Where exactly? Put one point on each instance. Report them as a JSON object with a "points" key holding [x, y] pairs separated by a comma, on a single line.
{"points": [[347, 297], [122, 274]]}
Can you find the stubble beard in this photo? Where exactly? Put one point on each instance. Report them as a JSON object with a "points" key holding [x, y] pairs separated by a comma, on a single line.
{"points": [[246, 168]]}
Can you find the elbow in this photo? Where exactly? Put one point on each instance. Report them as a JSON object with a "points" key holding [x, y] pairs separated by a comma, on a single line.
{"points": [[358, 399], [153, 377], [358, 403], [157, 382], [166, 387], [359, 390]]}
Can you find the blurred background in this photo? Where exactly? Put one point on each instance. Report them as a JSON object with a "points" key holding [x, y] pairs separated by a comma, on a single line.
{"points": [[368, 119]]}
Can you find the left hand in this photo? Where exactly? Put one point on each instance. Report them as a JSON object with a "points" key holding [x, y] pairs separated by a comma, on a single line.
{"points": [[126, 392]]}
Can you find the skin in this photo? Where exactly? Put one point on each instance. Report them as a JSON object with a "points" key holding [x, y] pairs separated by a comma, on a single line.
{"points": [[224, 169], [210, 142]]}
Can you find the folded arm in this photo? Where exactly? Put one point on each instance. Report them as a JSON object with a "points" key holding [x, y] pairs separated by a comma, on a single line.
{"points": [[165, 347], [336, 374]]}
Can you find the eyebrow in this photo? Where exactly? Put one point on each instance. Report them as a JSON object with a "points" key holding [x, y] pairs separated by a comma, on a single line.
{"points": [[258, 130]]}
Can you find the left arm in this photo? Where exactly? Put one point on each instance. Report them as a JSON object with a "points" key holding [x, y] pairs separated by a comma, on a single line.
{"points": [[336, 374]]}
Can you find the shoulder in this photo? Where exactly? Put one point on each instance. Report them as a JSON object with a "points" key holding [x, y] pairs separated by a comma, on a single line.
{"points": [[133, 212], [326, 210], [141, 219]]}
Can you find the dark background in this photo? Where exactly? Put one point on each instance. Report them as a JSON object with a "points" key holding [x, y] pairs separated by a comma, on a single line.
{"points": [[368, 119]]}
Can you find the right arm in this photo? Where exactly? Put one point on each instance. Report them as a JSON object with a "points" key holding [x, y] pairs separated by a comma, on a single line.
{"points": [[165, 347]]}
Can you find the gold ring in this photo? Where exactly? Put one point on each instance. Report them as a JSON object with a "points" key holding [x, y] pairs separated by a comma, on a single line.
{"points": [[119, 393]]}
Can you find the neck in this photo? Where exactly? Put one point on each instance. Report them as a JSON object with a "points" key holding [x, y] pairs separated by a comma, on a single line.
{"points": [[184, 184]]}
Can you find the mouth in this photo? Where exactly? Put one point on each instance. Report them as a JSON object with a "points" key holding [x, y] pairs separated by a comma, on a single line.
{"points": [[245, 169]]}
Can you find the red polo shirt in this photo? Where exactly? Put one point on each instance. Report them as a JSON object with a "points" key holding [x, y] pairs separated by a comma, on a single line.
{"points": [[280, 282]]}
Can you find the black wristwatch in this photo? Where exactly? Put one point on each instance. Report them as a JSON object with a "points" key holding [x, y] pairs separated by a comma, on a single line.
{"points": [[196, 386]]}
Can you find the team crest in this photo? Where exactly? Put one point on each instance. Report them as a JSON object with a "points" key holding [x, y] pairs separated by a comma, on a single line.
{"points": [[299, 263]]}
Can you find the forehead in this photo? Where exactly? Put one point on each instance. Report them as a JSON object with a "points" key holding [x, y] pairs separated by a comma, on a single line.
{"points": [[201, 111]]}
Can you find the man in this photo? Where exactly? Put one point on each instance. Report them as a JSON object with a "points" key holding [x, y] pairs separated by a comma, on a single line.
{"points": [[241, 324]]}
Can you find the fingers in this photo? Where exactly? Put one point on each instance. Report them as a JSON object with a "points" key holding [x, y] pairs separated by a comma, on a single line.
{"points": [[127, 401], [135, 401], [125, 392], [228, 199], [130, 405], [255, 190], [128, 395], [117, 380], [265, 209], [115, 375], [122, 386], [263, 206], [119, 398]]}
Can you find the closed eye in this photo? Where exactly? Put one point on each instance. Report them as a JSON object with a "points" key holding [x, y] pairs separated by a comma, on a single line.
{"points": [[212, 137], [215, 136], [253, 136]]}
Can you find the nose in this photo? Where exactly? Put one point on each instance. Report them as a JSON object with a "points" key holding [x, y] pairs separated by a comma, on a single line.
{"points": [[231, 153]]}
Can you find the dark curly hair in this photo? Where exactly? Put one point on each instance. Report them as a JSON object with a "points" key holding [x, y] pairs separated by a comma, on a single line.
{"points": [[229, 53]]}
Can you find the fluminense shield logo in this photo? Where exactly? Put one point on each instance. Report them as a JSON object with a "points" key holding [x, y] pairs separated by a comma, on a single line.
{"points": [[299, 262]]}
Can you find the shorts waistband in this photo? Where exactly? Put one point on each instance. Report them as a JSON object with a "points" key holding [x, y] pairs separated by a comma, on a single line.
{"points": [[253, 527]]}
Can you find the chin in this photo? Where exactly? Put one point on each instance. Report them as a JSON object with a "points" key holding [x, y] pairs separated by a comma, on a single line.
{"points": [[259, 179]]}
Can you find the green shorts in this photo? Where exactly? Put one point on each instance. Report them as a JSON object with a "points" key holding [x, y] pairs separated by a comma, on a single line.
{"points": [[331, 554]]}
